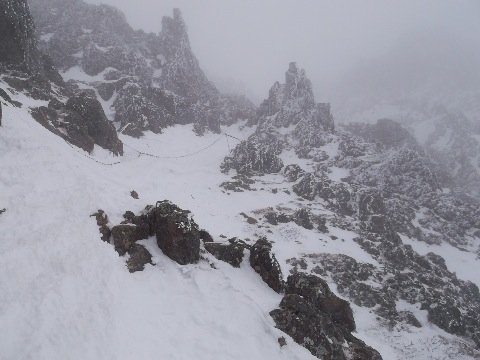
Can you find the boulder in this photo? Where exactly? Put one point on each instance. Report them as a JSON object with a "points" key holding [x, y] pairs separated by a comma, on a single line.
{"points": [[263, 261], [90, 113], [177, 233]]}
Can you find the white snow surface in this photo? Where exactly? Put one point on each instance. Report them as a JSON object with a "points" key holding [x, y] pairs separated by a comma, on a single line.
{"points": [[65, 294]]}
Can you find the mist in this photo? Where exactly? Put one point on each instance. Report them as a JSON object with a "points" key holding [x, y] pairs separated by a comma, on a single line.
{"points": [[248, 44]]}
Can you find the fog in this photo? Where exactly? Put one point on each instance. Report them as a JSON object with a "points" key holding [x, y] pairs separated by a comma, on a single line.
{"points": [[248, 43]]}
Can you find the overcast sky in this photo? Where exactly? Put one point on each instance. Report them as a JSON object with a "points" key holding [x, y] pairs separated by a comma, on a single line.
{"points": [[254, 40]]}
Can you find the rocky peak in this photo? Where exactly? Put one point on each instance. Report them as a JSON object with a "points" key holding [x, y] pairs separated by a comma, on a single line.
{"points": [[17, 36], [181, 73], [174, 29]]}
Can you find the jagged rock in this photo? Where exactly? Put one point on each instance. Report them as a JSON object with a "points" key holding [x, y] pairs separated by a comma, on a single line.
{"points": [[293, 172], [263, 261], [231, 253], [256, 155], [371, 210], [106, 90], [102, 221], [302, 218], [17, 36], [125, 236], [314, 330], [205, 236], [139, 257], [91, 113], [177, 233], [240, 183], [307, 186], [308, 327], [317, 292]]}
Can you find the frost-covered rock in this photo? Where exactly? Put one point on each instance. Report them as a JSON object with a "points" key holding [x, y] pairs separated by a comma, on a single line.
{"points": [[263, 261], [177, 233], [17, 36], [290, 117], [320, 321]]}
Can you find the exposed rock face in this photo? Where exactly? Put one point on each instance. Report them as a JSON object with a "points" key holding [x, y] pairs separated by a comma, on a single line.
{"points": [[155, 81], [177, 233], [318, 320], [98, 126], [263, 261], [81, 121], [17, 36], [316, 291]]}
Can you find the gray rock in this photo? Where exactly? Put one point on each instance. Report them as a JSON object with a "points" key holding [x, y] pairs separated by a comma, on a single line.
{"points": [[177, 233], [263, 261]]}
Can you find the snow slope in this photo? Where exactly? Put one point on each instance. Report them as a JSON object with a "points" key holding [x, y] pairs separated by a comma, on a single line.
{"points": [[68, 295]]}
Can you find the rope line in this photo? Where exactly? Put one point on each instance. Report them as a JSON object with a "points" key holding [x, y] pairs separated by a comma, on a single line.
{"points": [[174, 157]]}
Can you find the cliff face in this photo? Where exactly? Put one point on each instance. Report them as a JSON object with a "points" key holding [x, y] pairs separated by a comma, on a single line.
{"points": [[17, 36]]}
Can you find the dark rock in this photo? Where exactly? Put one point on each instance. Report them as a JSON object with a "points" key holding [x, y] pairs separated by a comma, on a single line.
{"points": [[205, 236], [309, 327], [102, 221], [250, 220], [106, 90], [139, 257], [371, 210], [257, 155], [282, 341], [230, 253], [409, 318], [2, 211], [302, 218], [263, 261], [293, 172], [177, 233], [17, 36], [91, 113], [317, 292], [134, 194], [125, 236]]}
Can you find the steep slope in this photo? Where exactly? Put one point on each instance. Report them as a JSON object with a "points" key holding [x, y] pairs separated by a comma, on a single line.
{"points": [[151, 81]]}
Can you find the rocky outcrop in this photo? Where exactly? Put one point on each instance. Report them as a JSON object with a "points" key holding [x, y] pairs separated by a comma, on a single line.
{"points": [[81, 121], [257, 155], [98, 126], [263, 261], [320, 321], [177, 233]]}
